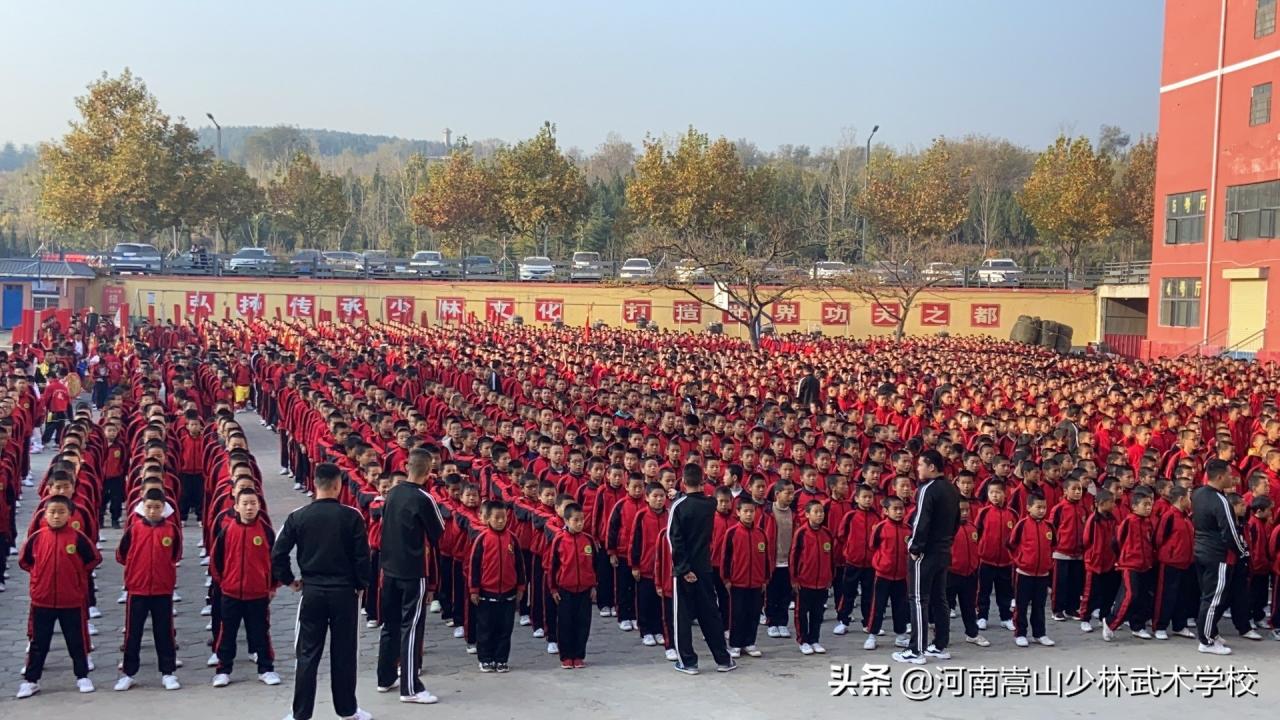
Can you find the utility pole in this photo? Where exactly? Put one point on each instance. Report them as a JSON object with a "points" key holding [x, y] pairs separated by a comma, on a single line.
{"points": [[217, 231], [217, 128], [866, 183]]}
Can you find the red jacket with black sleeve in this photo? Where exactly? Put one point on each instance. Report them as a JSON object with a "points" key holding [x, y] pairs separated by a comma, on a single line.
{"points": [[1099, 543], [721, 522], [619, 524], [605, 500], [1135, 550], [745, 557], [664, 579], [1067, 520], [241, 559], [59, 562], [812, 560], [1175, 540], [572, 562], [190, 453], [1256, 534], [1031, 545], [493, 568], [644, 539], [149, 553], [856, 531], [964, 550], [889, 550], [995, 527]]}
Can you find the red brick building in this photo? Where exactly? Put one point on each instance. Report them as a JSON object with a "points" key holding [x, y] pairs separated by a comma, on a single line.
{"points": [[1217, 184]]}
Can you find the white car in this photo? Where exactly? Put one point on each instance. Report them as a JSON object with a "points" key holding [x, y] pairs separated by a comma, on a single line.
{"points": [[689, 271], [585, 266], [250, 257], [942, 273], [829, 269], [636, 269], [536, 268], [427, 262], [1000, 271]]}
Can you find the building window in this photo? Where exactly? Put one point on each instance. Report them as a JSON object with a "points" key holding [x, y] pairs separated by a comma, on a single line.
{"points": [[44, 302], [1180, 302], [1260, 105], [1251, 210], [1264, 19], [1184, 218]]}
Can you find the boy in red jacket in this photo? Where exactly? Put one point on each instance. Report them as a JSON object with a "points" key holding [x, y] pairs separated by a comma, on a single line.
{"points": [[495, 580], [995, 525], [190, 464], [962, 575], [1176, 584], [859, 577], [618, 545], [240, 563], [644, 542], [889, 559], [1257, 533], [572, 582], [1067, 519], [149, 551], [1031, 545], [744, 565], [1100, 576], [59, 559], [1136, 556], [812, 564]]}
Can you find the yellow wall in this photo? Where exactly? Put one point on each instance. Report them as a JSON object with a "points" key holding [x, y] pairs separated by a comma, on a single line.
{"points": [[604, 302]]}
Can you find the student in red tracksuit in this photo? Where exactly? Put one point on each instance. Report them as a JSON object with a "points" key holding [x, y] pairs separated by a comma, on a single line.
{"points": [[149, 551], [995, 525], [115, 465], [859, 577], [1031, 545], [495, 579], [1176, 585], [1273, 546], [813, 566], [962, 575], [745, 568], [572, 582], [1135, 559], [644, 542], [721, 522], [241, 565], [618, 545], [665, 585], [889, 559], [190, 464], [1257, 533], [1067, 519], [1100, 576], [59, 559], [607, 496], [836, 507]]}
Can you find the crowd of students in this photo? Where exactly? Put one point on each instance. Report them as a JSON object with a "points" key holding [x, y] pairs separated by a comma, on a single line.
{"points": [[554, 456]]}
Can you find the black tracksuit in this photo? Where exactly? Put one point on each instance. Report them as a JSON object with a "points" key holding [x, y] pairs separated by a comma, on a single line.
{"points": [[1216, 534], [933, 529], [689, 532]]}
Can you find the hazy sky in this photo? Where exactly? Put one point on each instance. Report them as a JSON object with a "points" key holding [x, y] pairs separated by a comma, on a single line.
{"points": [[772, 72]]}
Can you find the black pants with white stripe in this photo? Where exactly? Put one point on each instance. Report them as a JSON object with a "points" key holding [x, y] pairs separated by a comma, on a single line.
{"points": [[1213, 599], [403, 619], [927, 600], [333, 611], [697, 600]]}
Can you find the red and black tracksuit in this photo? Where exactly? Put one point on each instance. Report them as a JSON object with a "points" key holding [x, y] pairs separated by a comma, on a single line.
{"points": [[241, 565], [1273, 545], [1135, 559], [962, 576], [572, 575], [190, 466], [644, 542], [889, 559], [1031, 546], [602, 503], [1067, 519], [995, 527], [59, 562], [495, 576], [618, 544], [813, 568], [115, 465], [1100, 575], [149, 553], [1177, 589], [745, 566], [859, 577], [1257, 534]]}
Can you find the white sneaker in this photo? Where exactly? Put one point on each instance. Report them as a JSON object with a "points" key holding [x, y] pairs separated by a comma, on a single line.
{"points": [[435, 607], [361, 714], [27, 689], [752, 651], [1143, 634], [538, 633], [371, 623], [773, 632], [208, 627], [88, 659], [85, 685], [206, 611], [870, 643], [124, 596], [625, 626], [1214, 649], [1021, 641], [978, 640], [659, 639], [204, 562], [94, 612], [124, 683], [735, 652], [1046, 641], [1007, 625], [284, 471], [764, 620], [1086, 626], [269, 678], [472, 650], [783, 631], [933, 652], [212, 661], [902, 641], [1107, 633], [806, 649], [460, 632], [552, 648], [840, 629], [648, 641], [817, 647], [982, 623], [525, 621], [1187, 633], [1162, 635], [221, 680], [208, 582], [604, 612], [170, 682], [1252, 635], [30, 483], [423, 698], [672, 655]]}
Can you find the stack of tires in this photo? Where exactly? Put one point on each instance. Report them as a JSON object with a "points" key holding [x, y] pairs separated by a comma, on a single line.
{"points": [[1026, 330], [1030, 330]]}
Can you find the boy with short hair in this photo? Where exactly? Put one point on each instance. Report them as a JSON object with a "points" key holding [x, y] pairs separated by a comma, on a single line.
{"points": [[780, 532], [1100, 576], [859, 576], [812, 564], [149, 551], [571, 579], [495, 580], [1066, 520], [1030, 545], [240, 563], [644, 541], [745, 567], [889, 559], [962, 575], [995, 526], [1135, 558], [1175, 556]]}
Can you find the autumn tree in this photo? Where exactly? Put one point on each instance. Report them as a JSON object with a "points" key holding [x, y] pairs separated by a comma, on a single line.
{"points": [[231, 198], [1069, 197], [700, 202], [307, 201], [1135, 197], [995, 168], [458, 200], [540, 190]]}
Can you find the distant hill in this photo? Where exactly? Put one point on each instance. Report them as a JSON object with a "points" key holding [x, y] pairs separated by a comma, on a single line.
{"points": [[250, 144]]}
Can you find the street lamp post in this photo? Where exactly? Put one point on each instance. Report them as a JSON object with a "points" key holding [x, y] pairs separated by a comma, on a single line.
{"points": [[217, 128], [218, 229], [866, 183]]}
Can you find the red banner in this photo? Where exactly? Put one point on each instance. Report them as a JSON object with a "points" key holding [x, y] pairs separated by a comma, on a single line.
{"points": [[451, 309], [351, 308], [499, 310], [786, 313], [686, 312], [548, 310], [835, 313], [112, 299], [633, 310], [935, 314], [300, 306], [886, 314], [199, 304], [250, 305], [398, 309], [981, 315]]}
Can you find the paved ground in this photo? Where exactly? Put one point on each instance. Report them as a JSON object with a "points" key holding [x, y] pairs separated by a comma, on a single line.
{"points": [[624, 679]]}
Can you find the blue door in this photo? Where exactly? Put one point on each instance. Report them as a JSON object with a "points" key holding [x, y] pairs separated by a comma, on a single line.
{"points": [[12, 306]]}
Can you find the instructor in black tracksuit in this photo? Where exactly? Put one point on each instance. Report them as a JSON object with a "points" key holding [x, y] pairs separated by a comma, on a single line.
{"points": [[411, 521], [333, 556], [933, 528], [1216, 534], [689, 533]]}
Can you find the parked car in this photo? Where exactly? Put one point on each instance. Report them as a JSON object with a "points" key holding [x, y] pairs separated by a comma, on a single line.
{"points": [[480, 265], [250, 258], [536, 268], [135, 257], [427, 262], [586, 266], [889, 273], [999, 271], [306, 262], [636, 269], [826, 269], [376, 261], [942, 273], [344, 260], [689, 271]]}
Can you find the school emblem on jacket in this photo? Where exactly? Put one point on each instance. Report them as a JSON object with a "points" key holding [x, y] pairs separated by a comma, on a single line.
{"points": [[71, 549], [1049, 535], [75, 524], [1009, 524], [116, 452], [511, 549], [586, 550], [257, 540], [973, 536], [760, 547], [166, 541], [826, 547]]}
